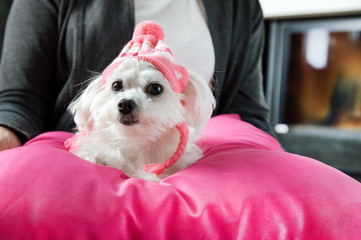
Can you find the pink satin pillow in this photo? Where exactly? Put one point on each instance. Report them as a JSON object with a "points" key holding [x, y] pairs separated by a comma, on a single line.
{"points": [[245, 187]]}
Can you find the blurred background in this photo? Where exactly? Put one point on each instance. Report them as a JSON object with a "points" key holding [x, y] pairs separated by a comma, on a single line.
{"points": [[312, 68]]}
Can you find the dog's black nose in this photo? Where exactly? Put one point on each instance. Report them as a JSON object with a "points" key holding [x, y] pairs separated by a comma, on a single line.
{"points": [[126, 106]]}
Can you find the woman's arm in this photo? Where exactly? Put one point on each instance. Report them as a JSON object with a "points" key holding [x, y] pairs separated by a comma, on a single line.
{"points": [[249, 99], [27, 66]]}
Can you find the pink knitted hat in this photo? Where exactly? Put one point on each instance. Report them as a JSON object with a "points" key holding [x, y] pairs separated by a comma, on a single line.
{"points": [[147, 45]]}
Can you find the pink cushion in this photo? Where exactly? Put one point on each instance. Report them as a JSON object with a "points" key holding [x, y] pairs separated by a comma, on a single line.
{"points": [[245, 187]]}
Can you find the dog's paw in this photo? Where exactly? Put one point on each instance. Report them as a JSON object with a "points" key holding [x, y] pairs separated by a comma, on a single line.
{"points": [[93, 158], [147, 176], [152, 178]]}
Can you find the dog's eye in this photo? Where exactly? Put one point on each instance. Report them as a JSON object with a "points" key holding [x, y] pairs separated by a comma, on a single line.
{"points": [[117, 86], [154, 89]]}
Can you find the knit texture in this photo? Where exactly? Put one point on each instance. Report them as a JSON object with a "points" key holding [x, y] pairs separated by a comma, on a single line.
{"points": [[159, 168], [147, 45]]}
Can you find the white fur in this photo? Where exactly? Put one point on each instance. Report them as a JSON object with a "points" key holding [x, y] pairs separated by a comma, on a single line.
{"points": [[104, 139]]}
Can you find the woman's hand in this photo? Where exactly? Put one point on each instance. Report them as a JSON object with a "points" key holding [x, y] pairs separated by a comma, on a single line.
{"points": [[8, 139]]}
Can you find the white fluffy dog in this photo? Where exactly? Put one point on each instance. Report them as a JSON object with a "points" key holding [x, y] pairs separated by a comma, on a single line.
{"points": [[130, 121]]}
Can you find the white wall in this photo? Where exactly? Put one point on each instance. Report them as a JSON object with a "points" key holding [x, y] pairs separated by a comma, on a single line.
{"points": [[303, 8]]}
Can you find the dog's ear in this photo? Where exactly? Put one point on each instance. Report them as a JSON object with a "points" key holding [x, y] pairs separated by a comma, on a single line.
{"points": [[200, 101], [80, 107]]}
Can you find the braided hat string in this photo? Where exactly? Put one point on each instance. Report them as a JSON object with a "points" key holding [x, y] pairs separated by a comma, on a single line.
{"points": [[159, 168]]}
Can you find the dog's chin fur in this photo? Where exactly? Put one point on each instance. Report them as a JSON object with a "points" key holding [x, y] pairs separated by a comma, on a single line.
{"points": [[148, 134]]}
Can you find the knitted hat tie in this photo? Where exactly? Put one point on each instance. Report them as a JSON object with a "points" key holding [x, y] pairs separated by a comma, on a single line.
{"points": [[159, 168]]}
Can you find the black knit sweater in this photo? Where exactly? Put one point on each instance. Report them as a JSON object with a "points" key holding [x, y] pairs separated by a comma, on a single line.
{"points": [[52, 47]]}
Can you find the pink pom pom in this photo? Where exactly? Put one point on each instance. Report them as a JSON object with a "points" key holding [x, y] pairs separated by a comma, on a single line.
{"points": [[148, 28]]}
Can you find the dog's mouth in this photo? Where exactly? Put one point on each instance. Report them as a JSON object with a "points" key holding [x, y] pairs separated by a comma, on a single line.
{"points": [[128, 120], [128, 109]]}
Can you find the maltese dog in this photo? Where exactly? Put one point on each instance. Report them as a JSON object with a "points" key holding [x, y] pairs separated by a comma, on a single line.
{"points": [[145, 112]]}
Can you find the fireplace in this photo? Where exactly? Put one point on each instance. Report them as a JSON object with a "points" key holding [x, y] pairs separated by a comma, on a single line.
{"points": [[314, 89]]}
